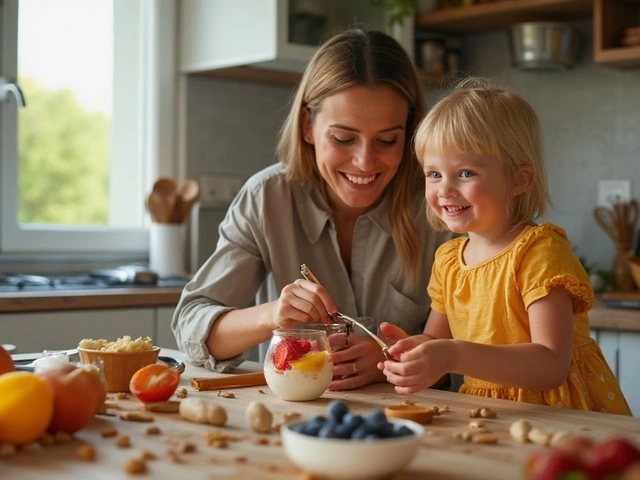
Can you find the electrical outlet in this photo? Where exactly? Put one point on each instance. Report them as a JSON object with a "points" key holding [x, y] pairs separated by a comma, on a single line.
{"points": [[609, 190], [218, 191]]}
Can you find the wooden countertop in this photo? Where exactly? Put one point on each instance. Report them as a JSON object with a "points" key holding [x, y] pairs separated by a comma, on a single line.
{"points": [[89, 299], [258, 456], [602, 317]]}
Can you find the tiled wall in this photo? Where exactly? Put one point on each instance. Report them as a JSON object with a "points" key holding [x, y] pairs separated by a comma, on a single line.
{"points": [[590, 117]]}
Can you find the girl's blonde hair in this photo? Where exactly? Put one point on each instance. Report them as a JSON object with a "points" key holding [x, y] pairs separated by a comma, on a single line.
{"points": [[484, 120], [361, 57]]}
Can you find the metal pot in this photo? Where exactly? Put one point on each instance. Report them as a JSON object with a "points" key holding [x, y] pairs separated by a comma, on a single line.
{"points": [[544, 45]]}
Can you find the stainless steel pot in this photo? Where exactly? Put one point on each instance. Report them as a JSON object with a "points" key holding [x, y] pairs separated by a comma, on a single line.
{"points": [[544, 45]]}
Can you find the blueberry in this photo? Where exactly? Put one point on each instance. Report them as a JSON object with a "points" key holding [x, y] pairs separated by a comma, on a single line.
{"points": [[313, 426], [350, 422], [337, 409], [343, 430], [402, 431], [300, 428], [328, 431], [377, 423], [360, 433], [371, 437]]}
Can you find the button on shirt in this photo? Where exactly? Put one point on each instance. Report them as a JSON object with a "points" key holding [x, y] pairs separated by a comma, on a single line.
{"points": [[274, 225]]}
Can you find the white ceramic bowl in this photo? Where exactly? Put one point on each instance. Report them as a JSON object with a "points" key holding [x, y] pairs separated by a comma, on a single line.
{"points": [[344, 459]]}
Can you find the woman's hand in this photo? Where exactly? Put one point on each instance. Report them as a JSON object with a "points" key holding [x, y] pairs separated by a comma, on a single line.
{"points": [[421, 363], [355, 366], [300, 302]]}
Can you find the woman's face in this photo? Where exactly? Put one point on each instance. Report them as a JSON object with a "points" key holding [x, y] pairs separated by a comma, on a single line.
{"points": [[358, 135]]}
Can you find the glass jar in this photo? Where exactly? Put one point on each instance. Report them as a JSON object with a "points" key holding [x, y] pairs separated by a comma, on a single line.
{"points": [[298, 364]]}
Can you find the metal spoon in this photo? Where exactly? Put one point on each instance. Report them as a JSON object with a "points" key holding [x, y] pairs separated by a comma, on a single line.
{"points": [[306, 273]]}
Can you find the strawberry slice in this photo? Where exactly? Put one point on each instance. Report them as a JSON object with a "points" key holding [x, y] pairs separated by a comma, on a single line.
{"points": [[288, 350]]}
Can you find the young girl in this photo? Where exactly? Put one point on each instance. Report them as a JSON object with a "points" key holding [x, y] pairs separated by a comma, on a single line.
{"points": [[510, 300]]}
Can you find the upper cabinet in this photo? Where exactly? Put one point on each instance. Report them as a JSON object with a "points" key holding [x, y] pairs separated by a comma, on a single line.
{"points": [[269, 40]]}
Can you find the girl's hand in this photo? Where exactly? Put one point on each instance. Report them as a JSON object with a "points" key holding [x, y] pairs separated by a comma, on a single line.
{"points": [[390, 334], [300, 302], [356, 365], [420, 364]]}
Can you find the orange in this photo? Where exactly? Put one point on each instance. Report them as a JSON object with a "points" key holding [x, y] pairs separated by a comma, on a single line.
{"points": [[26, 407], [311, 362]]}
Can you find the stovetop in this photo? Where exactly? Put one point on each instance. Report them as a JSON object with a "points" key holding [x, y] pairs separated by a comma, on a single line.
{"points": [[99, 280]]}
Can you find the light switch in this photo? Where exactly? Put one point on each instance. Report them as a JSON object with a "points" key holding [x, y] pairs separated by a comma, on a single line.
{"points": [[608, 190], [217, 191]]}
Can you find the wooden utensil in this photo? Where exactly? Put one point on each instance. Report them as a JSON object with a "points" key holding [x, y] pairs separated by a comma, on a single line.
{"points": [[158, 207], [188, 193], [165, 189]]}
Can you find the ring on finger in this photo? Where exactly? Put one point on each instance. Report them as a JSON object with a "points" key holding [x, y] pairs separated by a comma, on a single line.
{"points": [[354, 367]]}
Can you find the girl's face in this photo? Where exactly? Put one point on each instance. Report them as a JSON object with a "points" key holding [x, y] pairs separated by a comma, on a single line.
{"points": [[468, 193], [359, 136]]}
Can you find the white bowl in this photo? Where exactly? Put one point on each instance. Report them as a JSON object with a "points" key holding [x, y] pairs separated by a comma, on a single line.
{"points": [[345, 459]]}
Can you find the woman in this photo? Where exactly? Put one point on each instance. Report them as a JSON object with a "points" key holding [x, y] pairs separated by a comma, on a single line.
{"points": [[346, 199]]}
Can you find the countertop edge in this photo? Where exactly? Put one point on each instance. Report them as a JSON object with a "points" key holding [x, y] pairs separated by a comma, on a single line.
{"points": [[89, 299]]}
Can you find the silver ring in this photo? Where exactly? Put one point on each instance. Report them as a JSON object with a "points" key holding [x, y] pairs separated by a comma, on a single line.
{"points": [[355, 368]]}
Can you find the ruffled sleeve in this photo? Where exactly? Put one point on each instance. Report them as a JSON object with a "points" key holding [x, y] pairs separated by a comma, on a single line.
{"points": [[544, 260], [444, 264]]}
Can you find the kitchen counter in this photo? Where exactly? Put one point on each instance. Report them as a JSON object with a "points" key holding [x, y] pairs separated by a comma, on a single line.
{"points": [[34, 301], [602, 317], [258, 456]]}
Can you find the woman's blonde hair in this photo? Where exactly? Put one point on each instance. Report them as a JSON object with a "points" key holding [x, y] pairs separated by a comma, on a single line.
{"points": [[361, 57], [485, 120]]}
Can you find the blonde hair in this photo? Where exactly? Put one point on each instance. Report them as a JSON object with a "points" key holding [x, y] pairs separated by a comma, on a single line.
{"points": [[360, 57], [484, 120]]}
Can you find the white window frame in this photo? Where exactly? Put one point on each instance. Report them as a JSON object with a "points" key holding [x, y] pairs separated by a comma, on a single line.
{"points": [[158, 145]]}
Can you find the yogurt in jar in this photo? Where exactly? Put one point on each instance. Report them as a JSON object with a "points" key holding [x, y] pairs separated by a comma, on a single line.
{"points": [[307, 379]]}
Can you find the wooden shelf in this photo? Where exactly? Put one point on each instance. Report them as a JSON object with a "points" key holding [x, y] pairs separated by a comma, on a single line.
{"points": [[290, 79], [493, 16], [610, 19]]}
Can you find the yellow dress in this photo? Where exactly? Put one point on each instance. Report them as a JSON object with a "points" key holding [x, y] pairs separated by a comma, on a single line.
{"points": [[487, 303]]}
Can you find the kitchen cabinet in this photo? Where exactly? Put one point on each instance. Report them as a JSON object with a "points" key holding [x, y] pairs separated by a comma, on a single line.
{"points": [[622, 351], [610, 19], [271, 41], [164, 337], [36, 331]]}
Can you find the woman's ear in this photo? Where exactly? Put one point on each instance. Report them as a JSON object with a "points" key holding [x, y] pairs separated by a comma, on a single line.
{"points": [[307, 128], [526, 176]]}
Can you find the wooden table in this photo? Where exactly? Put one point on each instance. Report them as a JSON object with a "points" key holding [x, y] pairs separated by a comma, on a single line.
{"points": [[261, 456]]}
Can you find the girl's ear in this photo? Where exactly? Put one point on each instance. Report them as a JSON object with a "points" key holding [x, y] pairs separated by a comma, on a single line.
{"points": [[307, 130], [526, 176]]}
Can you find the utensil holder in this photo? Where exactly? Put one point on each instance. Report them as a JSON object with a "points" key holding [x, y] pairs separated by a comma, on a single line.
{"points": [[166, 249], [621, 277]]}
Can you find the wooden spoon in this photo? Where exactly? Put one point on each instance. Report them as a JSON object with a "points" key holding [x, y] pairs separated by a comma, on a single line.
{"points": [[167, 190], [188, 192], [158, 207]]}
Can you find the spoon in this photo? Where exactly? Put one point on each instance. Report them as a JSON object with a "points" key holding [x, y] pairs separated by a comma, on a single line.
{"points": [[306, 273], [188, 193], [158, 207], [166, 189]]}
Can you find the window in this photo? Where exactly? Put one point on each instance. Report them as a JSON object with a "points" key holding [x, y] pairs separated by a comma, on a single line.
{"points": [[75, 162]]}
